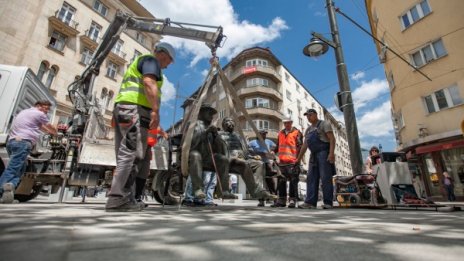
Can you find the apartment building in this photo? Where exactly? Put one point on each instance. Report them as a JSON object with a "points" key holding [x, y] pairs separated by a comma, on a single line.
{"points": [[270, 92], [57, 38], [427, 114]]}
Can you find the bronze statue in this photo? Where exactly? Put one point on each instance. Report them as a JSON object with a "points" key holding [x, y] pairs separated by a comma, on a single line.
{"points": [[206, 145], [251, 170]]}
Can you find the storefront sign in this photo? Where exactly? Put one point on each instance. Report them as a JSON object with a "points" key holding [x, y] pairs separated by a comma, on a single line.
{"points": [[440, 146]]}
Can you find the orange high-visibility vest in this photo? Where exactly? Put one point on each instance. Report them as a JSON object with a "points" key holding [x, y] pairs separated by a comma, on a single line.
{"points": [[288, 150]]}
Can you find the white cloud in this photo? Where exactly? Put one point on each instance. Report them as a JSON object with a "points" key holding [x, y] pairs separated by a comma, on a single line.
{"points": [[168, 91], [369, 91], [320, 14], [204, 73], [240, 34], [376, 122], [357, 75]]}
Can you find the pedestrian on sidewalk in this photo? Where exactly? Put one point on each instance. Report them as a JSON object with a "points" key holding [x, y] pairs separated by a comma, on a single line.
{"points": [[24, 133], [320, 140], [448, 183]]}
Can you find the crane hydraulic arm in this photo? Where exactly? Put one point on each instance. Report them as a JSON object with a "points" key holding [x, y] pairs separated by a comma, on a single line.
{"points": [[80, 91]]}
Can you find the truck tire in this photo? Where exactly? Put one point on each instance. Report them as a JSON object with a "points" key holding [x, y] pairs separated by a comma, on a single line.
{"points": [[172, 197], [157, 196], [34, 193]]}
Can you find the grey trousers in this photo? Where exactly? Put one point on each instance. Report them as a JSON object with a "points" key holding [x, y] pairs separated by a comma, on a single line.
{"points": [[131, 130]]}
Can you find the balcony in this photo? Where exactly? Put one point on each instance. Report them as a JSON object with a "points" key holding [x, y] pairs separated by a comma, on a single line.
{"points": [[63, 25], [90, 40], [262, 90], [244, 72], [273, 113], [118, 57]]}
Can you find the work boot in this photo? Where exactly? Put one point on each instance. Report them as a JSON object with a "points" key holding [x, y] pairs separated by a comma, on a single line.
{"points": [[199, 194], [8, 193], [291, 203], [228, 195], [127, 207], [141, 203], [261, 203], [279, 203]]}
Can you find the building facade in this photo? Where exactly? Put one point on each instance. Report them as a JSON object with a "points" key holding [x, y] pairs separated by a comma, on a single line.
{"points": [[269, 92], [58, 41], [427, 114]]}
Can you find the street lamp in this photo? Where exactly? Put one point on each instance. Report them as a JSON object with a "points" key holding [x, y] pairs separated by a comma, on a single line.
{"points": [[318, 46]]}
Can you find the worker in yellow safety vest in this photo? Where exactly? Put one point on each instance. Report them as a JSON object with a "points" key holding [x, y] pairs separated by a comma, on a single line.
{"points": [[136, 111]]}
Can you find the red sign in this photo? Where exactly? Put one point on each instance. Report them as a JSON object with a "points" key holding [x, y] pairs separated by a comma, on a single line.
{"points": [[440, 146], [249, 69]]}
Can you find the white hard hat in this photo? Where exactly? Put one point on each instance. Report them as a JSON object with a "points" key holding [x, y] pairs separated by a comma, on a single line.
{"points": [[287, 119], [165, 47]]}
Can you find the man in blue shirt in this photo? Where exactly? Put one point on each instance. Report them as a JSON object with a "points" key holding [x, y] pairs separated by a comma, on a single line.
{"points": [[256, 148]]}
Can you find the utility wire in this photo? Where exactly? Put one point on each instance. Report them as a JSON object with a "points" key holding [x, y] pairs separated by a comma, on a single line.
{"points": [[373, 37]]}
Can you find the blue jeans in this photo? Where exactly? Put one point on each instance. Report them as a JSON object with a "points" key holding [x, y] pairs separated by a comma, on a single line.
{"points": [[321, 169], [233, 188], [209, 184], [18, 152]]}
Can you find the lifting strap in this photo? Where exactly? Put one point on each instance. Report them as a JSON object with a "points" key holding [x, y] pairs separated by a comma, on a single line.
{"points": [[234, 105]]}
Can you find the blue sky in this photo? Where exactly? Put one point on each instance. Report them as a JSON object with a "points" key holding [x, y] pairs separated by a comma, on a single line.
{"points": [[284, 27]]}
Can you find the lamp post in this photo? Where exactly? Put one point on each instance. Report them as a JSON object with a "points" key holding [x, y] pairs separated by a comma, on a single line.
{"points": [[319, 45]]}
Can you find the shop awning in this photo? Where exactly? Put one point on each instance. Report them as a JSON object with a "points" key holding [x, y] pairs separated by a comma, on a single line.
{"points": [[440, 146]]}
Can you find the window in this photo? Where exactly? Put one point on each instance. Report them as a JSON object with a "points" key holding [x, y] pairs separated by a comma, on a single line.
{"points": [[289, 113], [100, 8], [399, 120], [391, 80], [289, 95], [51, 76], [104, 93], [117, 48], [257, 81], [66, 13], [416, 13], [57, 41], [136, 54], [94, 31], [140, 37], [86, 56], [257, 62], [257, 102], [428, 53], [112, 70], [222, 114], [260, 124], [214, 89], [442, 99], [43, 68], [306, 95], [297, 86], [287, 77], [109, 98]]}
